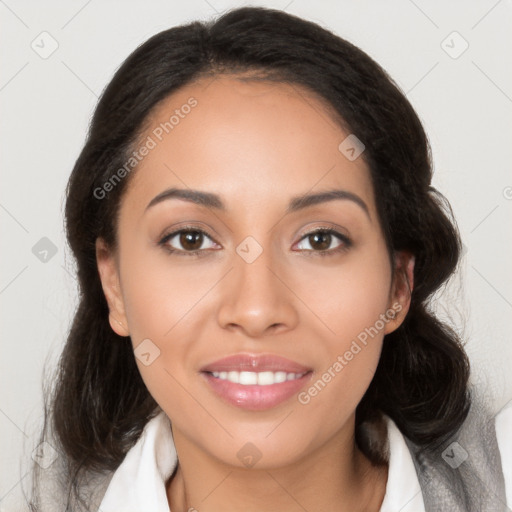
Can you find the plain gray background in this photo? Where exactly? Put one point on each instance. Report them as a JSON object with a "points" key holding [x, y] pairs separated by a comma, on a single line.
{"points": [[464, 99]]}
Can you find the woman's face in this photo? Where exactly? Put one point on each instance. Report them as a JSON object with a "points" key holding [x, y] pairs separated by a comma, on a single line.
{"points": [[248, 163]]}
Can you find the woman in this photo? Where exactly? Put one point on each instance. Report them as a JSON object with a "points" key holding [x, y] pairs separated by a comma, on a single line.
{"points": [[257, 242]]}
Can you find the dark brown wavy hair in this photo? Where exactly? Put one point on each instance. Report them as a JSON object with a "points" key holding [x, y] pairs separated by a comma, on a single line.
{"points": [[98, 404]]}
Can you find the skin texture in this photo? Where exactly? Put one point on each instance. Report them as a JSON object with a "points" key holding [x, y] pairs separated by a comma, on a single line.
{"points": [[256, 145]]}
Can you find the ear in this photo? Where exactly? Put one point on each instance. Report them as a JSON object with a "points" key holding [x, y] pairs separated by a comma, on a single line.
{"points": [[109, 275], [401, 290]]}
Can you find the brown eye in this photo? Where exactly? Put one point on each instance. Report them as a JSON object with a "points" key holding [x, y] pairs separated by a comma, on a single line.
{"points": [[191, 240], [321, 242], [187, 241]]}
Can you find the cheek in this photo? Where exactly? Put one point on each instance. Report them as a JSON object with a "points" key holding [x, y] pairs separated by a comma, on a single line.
{"points": [[164, 305], [350, 297], [161, 295], [351, 300]]}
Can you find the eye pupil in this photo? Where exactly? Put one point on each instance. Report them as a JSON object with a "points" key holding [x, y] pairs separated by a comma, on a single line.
{"points": [[320, 241], [189, 240]]}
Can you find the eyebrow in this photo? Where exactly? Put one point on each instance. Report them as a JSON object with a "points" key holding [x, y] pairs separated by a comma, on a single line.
{"points": [[296, 203]]}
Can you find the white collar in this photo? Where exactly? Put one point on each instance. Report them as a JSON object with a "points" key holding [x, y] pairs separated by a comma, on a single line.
{"points": [[139, 482], [403, 491]]}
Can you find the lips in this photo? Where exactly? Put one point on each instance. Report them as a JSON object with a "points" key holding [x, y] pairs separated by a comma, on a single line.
{"points": [[255, 382]]}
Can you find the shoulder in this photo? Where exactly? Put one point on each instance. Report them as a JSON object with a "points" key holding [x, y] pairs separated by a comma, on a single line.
{"points": [[470, 471]]}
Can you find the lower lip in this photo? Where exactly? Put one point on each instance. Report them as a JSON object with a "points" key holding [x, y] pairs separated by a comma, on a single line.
{"points": [[254, 397]]}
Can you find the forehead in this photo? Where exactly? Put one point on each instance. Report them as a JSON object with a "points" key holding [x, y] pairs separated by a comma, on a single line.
{"points": [[249, 141]]}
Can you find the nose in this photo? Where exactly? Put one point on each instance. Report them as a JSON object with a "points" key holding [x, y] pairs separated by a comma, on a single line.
{"points": [[256, 299]]}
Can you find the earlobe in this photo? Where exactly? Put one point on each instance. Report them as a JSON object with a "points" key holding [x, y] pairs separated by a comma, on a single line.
{"points": [[401, 289], [117, 326], [109, 276]]}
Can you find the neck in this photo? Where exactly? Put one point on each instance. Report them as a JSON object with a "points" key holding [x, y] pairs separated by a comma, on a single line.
{"points": [[338, 474]]}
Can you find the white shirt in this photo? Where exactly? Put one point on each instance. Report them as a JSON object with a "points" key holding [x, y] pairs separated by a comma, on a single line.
{"points": [[139, 482]]}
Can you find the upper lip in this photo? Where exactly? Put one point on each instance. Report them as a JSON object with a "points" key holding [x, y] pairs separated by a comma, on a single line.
{"points": [[255, 363]]}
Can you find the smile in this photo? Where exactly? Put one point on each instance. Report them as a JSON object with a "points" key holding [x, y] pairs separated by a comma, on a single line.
{"points": [[255, 382], [256, 378]]}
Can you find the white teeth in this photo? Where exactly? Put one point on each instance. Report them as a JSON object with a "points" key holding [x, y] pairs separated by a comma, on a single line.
{"points": [[265, 378], [279, 377], [248, 378], [259, 378]]}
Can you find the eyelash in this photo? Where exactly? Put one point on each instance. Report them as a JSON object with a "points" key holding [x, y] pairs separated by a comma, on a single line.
{"points": [[345, 246]]}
